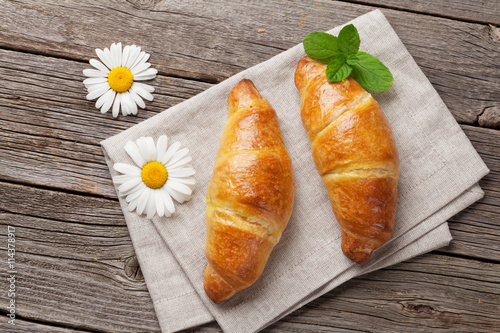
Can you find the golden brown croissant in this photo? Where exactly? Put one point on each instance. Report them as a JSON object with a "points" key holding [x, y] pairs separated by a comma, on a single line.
{"points": [[355, 153], [250, 195]]}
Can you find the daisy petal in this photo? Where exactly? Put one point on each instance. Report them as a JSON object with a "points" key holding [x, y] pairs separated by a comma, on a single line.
{"points": [[131, 190], [170, 152], [189, 182], [161, 146], [116, 54], [133, 204], [148, 74], [141, 77], [127, 191], [179, 197], [116, 105], [151, 148], [136, 194], [94, 73], [169, 204], [133, 151], [138, 60], [151, 206], [99, 65], [129, 185], [109, 97], [126, 52], [141, 91], [143, 148], [181, 172], [120, 179], [129, 103], [124, 104], [177, 157], [94, 80], [179, 187], [97, 86], [127, 169], [137, 99], [160, 204], [146, 57], [140, 68], [105, 57], [103, 98], [179, 163], [134, 53], [147, 87], [132, 105], [143, 57], [134, 109], [143, 200], [97, 92]]}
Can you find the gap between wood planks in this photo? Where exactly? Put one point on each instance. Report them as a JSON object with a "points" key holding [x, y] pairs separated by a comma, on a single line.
{"points": [[58, 135], [206, 32], [29, 325], [439, 9], [303, 322]]}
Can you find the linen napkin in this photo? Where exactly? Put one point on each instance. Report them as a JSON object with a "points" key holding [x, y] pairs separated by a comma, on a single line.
{"points": [[439, 172]]}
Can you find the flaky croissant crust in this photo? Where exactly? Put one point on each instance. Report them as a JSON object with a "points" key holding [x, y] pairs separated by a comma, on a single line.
{"points": [[355, 154], [250, 195]]}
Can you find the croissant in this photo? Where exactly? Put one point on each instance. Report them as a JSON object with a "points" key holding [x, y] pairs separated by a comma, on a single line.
{"points": [[355, 154], [249, 197]]}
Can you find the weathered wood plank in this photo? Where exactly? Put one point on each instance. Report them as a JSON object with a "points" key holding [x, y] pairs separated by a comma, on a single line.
{"points": [[25, 326], [480, 223], [485, 11], [70, 257], [44, 107], [51, 137], [475, 230], [201, 41], [82, 243], [430, 293], [490, 117]]}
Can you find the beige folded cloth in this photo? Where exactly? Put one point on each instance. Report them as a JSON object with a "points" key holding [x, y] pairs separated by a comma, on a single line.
{"points": [[438, 177]]}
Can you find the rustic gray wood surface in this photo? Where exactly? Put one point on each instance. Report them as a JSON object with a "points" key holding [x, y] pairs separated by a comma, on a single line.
{"points": [[76, 264]]}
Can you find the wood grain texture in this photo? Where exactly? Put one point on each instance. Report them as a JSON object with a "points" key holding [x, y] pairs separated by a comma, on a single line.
{"points": [[490, 117], [70, 255], [481, 221], [50, 137], [485, 11], [83, 244], [44, 110], [78, 271], [419, 295], [25, 326], [198, 40]]}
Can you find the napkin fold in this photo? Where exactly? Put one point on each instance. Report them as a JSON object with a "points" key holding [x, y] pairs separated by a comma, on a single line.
{"points": [[439, 172]]}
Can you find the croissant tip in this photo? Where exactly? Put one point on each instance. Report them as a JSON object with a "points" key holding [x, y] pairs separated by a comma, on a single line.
{"points": [[356, 249], [243, 94], [358, 257], [216, 288]]}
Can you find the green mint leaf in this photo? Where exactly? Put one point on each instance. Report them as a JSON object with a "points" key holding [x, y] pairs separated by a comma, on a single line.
{"points": [[342, 73], [348, 40], [352, 59], [337, 69], [371, 73], [321, 46]]}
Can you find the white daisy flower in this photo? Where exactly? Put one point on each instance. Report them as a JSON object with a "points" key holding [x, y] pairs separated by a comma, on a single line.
{"points": [[113, 81], [160, 175]]}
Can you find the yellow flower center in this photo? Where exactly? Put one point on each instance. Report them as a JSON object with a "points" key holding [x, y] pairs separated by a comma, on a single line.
{"points": [[154, 174], [120, 79]]}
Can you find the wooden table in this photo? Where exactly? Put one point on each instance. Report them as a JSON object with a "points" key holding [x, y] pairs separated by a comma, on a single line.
{"points": [[76, 268]]}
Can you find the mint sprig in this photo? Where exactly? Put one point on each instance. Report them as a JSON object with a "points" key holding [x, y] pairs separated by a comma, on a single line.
{"points": [[342, 56]]}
